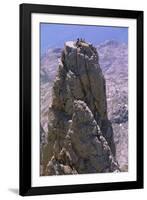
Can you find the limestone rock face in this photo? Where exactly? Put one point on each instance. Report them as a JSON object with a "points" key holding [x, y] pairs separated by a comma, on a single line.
{"points": [[80, 136]]}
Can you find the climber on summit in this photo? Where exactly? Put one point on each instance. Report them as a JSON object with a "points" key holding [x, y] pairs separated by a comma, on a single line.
{"points": [[77, 42]]}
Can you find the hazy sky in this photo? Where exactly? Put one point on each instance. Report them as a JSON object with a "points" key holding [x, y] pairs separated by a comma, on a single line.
{"points": [[54, 35]]}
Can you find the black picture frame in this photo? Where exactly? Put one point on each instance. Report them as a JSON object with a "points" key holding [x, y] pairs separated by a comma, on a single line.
{"points": [[25, 187]]}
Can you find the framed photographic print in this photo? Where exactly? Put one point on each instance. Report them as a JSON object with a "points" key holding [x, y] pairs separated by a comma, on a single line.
{"points": [[81, 99]]}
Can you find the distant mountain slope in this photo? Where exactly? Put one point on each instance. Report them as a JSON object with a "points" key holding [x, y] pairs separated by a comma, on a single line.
{"points": [[113, 58]]}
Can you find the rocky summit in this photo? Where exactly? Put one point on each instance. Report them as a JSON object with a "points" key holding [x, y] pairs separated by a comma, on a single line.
{"points": [[80, 135]]}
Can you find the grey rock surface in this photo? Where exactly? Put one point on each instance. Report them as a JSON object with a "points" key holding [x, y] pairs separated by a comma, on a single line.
{"points": [[113, 59], [80, 136]]}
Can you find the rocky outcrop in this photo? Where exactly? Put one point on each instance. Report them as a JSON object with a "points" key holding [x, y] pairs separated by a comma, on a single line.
{"points": [[80, 136]]}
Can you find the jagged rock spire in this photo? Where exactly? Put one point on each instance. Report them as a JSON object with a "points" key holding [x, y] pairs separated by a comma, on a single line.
{"points": [[78, 119]]}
